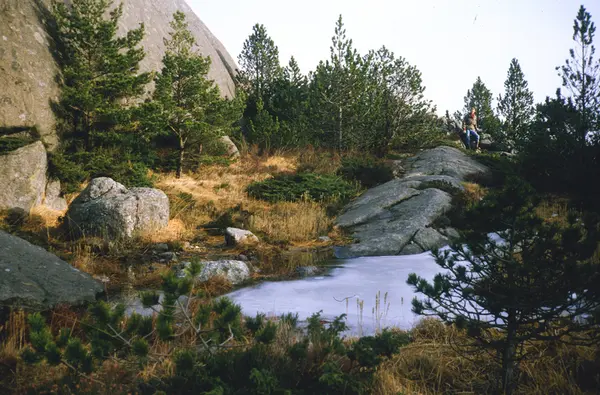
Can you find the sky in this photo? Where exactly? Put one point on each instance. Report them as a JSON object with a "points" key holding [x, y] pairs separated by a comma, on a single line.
{"points": [[451, 42]]}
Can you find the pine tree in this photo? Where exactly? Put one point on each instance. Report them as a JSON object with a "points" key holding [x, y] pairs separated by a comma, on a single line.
{"points": [[289, 103], [100, 69], [406, 112], [480, 98], [260, 64], [581, 75], [263, 127], [189, 104], [516, 106], [338, 90], [514, 277]]}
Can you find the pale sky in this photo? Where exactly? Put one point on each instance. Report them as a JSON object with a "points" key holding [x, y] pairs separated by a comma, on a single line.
{"points": [[450, 41]]}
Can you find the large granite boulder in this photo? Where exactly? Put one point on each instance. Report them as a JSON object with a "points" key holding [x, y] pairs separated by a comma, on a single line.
{"points": [[23, 177], [398, 217], [108, 209], [28, 70], [33, 278]]}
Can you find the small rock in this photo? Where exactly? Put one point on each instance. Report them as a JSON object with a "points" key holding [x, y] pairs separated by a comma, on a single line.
{"points": [[168, 256], [230, 147], [325, 239], [53, 199], [430, 239], [411, 249], [234, 271], [398, 169], [161, 247], [450, 233], [186, 245], [235, 236], [243, 258]]}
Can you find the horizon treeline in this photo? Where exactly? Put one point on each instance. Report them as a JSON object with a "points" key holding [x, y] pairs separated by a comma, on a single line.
{"points": [[372, 103]]}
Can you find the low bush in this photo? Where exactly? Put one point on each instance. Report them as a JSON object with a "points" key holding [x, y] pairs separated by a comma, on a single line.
{"points": [[318, 187], [73, 169], [212, 349], [367, 171]]}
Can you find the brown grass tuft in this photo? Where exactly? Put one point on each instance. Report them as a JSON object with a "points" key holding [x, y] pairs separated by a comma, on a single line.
{"points": [[437, 361], [291, 221], [473, 192], [13, 334], [554, 210]]}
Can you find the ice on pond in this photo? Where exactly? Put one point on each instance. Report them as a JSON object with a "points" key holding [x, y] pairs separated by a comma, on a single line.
{"points": [[354, 282]]}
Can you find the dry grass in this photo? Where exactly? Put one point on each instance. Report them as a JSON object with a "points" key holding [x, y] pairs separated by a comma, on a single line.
{"points": [[473, 192], [436, 363], [554, 210], [13, 332], [200, 198], [292, 221]]}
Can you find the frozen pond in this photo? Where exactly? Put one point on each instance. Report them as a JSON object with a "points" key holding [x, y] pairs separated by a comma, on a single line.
{"points": [[378, 283]]}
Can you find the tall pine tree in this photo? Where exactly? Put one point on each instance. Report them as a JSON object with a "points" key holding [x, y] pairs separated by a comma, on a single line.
{"points": [[260, 64], [581, 76], [338, 91], [290, 104], [515, 107], [187, 103], [100, 70], [531, 280]]}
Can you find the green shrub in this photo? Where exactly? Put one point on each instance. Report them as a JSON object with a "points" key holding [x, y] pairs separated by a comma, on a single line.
{"points": [[317, 187], [72, 169], [367, 171]]}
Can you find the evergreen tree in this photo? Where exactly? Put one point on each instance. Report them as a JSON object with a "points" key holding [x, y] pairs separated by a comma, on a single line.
{"points": [[260, 64], [100, 70], [516, 106], [581, 75], [263, 127], [480, 98], [338, 90], [531, 280], [187, 103], [290, 104]]}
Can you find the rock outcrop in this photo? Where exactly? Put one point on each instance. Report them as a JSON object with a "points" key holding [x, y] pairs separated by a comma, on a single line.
{"points": [[396, 218], [32, 278], [23, 177], [108, 209], [28, 70]]}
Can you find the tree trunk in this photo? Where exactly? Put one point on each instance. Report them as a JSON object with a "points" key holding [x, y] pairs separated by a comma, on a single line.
{"points": [[181, 155], [509, 363], [340, 125]]}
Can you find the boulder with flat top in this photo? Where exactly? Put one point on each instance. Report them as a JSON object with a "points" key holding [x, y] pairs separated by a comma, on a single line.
{"points": [[107, 209]]}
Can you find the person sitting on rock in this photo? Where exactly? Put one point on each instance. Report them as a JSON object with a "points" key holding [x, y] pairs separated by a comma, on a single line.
{"points": [[470, 128]]}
